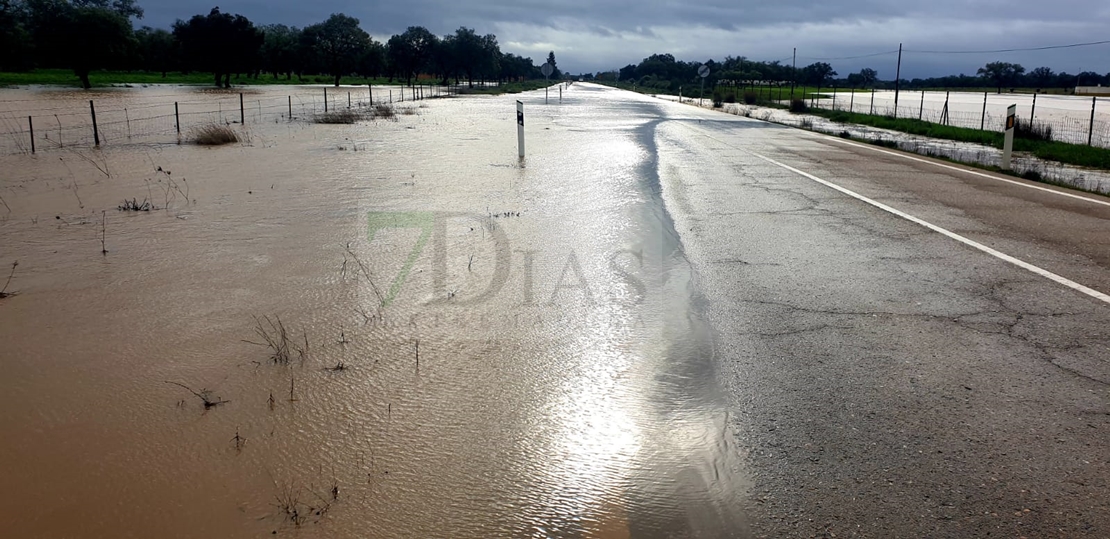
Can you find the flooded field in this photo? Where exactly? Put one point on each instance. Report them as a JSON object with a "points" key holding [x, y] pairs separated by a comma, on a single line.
{"points": [[1069, 116], [461, 344]]}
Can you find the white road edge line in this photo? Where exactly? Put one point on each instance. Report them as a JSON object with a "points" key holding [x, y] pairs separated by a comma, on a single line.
{"points": [[964, 170], [972, 243]]}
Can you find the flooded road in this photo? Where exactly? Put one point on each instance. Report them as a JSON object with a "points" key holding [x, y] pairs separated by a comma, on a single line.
{"points": [[664, 322], [473, 346]]}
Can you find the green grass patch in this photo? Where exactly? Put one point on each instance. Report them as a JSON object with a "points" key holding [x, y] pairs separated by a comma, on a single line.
{"points": [[1061, 152]]}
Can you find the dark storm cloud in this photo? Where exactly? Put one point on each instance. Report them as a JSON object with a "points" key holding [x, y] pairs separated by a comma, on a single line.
{"points": [[590, 36]]}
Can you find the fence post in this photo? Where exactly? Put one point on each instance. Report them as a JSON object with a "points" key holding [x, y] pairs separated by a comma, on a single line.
{"points": [[921, 107], [872, 109], [371, 87], [944, 111], [813, 97], [176, 118], [96, 134], [390, 96], [348, 99], [983, 121], [31, 126], [852, 102], [1034, 110], [1091, 128], [127, 117], [290, 107], [242, 114], [325, 100]]}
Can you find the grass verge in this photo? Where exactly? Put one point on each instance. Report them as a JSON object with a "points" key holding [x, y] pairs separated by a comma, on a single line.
{"points": [[1060, 152]]}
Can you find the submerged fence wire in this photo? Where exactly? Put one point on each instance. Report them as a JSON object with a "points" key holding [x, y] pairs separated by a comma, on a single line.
{"points": [[58, 127]]}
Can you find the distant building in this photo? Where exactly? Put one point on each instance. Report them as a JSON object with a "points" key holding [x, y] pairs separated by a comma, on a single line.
{"points": [[1092, 90]]}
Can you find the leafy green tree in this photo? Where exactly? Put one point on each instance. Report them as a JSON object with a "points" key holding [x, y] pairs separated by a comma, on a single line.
{"points": [[1041, 76], [411, 52], [220, 43], [1001, 73], [818, 73], [555, 74], [15, 40], [336, 43], [280, 49], [158, 51], [371, 62], [82, 37]]}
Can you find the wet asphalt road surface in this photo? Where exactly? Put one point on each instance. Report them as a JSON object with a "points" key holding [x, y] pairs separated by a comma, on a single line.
{"points": [[885, 379]]}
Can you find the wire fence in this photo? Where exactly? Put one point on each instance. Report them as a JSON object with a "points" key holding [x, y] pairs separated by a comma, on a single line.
{"points": [[46, 129], [1063, 115]]}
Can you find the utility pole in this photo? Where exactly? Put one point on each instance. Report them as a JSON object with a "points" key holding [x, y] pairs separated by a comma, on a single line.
{"points": [[793, 72], [897, 80]]}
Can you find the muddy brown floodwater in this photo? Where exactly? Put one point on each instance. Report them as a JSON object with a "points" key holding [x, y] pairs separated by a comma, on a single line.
{"points": [[476, 348]]}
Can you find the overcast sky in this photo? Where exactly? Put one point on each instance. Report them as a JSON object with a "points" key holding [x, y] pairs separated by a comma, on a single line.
{"points": [[589, 36]]}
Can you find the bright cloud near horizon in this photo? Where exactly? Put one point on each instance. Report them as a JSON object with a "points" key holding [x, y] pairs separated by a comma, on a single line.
{"points": [[592, 36]]}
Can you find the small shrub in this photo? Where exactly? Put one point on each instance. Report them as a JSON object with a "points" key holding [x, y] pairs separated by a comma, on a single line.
{"points": [[798, 105], [1032, 175], [885, 143], [135, 205], [750, 98], [730, 97], [1032, 130], [338, 117], [384, 111], [214, 135], [845, 134], [806, 123]]}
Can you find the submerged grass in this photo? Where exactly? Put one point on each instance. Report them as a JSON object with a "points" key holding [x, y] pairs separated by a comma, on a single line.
{"points": [[338, 117], [214, 135]]}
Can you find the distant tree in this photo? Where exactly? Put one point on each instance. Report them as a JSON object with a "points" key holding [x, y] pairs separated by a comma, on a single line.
{"points": [[336, 44], [280, 49], [158, 50], [465, 51], [220, 43], [818, 73], [371, 62], [1041, 77], [15, 40], [554, 67], [410, 52], [868, 77], [489, 57], [83, 38], [1001, 73], [1088, 78]]}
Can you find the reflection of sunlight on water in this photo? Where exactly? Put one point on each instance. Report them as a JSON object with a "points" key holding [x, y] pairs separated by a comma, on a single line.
{"points": [[594, 441]]}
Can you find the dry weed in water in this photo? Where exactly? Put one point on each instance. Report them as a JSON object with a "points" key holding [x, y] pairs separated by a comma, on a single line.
{"points": [[338, 117], [276, 338], [4, 291], [214, 135]]}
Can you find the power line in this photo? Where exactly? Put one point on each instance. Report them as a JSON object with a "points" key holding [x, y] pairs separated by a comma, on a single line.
{"points": [[850, 57], [1069, 46]]}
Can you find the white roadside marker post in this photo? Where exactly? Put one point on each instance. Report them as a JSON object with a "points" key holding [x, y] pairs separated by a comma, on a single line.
{"points": [[1008, 146], [520, 128]]}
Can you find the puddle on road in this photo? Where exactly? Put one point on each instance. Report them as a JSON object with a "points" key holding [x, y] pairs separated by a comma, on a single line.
{"points": [[474, 350]]}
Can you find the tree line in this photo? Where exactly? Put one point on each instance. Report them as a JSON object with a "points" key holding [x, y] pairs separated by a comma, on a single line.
{"points": [[86, 35], [665, 73]]}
